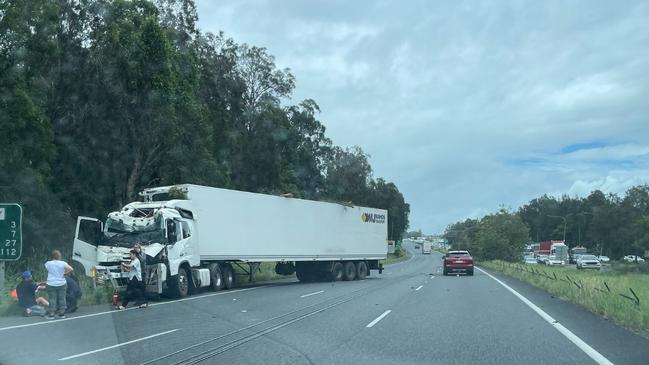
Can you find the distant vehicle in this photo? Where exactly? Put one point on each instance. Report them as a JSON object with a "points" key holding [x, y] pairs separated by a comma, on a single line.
{"points": [[633, 258], [575, 252], [416, 247], [603, 259], [530, 260], [458, 262], [541, 259], [545, 247], [588, 262], [559, 251], [426, 247], [555, 260]]}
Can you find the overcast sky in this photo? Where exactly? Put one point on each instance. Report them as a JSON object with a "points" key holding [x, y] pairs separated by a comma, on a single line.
{"points": [[468, 106]]}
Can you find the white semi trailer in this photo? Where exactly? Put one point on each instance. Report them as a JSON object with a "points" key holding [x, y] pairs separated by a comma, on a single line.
{"points": [[193, 235]]}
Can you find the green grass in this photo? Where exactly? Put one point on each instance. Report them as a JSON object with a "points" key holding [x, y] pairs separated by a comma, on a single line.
{"points": [[398, 256], [266, 272], [593, 293]]}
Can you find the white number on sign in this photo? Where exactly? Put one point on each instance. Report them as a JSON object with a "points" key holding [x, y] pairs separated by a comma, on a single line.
{"points": [[13, 224]]}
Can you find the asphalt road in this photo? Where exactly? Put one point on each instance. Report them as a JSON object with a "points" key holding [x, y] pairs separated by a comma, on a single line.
{"points": [[409, 315]]}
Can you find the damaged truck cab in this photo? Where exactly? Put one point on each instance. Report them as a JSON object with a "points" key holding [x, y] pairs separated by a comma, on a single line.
{"points": [[165, 232]]}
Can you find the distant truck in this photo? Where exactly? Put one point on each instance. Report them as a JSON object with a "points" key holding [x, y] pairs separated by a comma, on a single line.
{"points": [[193, 236], [426, 247], [558, 254], [577, 251], [544, 248]]}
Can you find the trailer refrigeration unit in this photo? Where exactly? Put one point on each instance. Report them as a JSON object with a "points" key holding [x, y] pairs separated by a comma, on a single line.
{"points": [[193, 235]]}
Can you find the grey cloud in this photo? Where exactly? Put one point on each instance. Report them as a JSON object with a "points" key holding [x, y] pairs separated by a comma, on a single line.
{"points": [[445, 95]]}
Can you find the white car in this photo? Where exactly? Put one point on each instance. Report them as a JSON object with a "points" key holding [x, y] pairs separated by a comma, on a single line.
{"points": [[552, 260], [633, 258], [588, 262], [603, 259], [530, 260]]}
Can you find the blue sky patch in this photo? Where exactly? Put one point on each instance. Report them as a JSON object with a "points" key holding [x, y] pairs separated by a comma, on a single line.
{"points": [[583, 146]]}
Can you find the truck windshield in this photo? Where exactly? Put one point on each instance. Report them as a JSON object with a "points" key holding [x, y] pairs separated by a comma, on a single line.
{"points": [[120, 234]]}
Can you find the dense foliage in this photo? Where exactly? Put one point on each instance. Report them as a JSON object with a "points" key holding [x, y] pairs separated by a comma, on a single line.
{"points": [[604, 223], [101, 98]]}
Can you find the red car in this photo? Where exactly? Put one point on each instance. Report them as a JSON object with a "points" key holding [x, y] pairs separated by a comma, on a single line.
{"points": [[458, 262]]}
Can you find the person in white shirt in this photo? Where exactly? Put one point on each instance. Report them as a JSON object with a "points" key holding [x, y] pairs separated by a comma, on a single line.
{"points": [[56, 284], [134, 287]]}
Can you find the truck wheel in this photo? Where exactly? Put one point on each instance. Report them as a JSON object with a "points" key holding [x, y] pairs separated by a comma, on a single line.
{"points": [[179, 284], [470, 272], [445, 273], [361, 270], [228, 277], [304, 275], [216, 277], [337, 272], [349, 272]]}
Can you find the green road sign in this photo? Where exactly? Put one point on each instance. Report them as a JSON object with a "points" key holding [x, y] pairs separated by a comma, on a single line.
{"points": [[11, 232]]}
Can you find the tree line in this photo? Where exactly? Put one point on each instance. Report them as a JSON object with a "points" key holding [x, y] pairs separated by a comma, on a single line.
{"points": [[606, 224], [102, 98]]}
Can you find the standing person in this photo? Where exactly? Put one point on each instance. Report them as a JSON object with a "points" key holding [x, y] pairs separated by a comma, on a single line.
{"points": [[73, 293], [139, 252], [27, 300], [56, 284], [134, 286]]}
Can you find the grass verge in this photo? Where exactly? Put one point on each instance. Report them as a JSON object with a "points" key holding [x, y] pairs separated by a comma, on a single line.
{"points": [[605, 293], [393, 258]]}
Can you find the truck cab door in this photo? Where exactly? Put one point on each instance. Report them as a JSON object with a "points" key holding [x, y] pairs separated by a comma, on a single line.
{"points": [[86, 239]]}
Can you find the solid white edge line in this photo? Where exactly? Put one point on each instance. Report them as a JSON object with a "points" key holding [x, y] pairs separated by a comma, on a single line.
{"points": [[310, 294], [591, 352], [371, 324], [420, 286], [118, 345], [128, 309]]}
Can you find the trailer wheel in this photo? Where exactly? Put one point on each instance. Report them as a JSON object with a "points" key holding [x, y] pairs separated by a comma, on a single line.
{"points": [[361, 270], [216, 279], [349, 271], [304, 275], [228, 276], [179, 284], [337, 272]]}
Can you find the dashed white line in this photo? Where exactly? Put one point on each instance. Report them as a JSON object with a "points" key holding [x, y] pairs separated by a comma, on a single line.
{"points": [[118, 345], [310, 294], [599, 358], [420, 286], [371, 324]]}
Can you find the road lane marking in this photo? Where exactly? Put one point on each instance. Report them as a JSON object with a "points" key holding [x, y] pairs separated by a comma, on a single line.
{"points": [[118, 345], [128, 309], [310, 294], [371, 324], [420, 286], [591, 352]]}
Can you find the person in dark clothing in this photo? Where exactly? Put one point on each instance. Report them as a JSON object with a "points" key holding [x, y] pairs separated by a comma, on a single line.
{"points": [[27, 300], [73, 293]]}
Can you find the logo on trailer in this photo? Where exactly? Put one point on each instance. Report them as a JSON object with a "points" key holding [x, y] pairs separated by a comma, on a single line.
{"points": [[373, 218]]}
